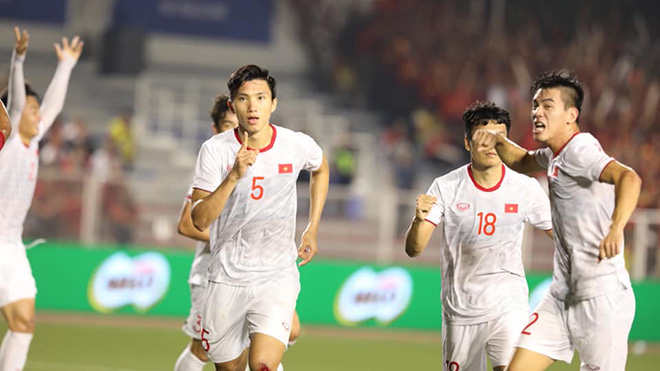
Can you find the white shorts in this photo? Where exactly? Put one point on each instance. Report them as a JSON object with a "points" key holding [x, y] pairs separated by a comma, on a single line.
{"points": [[193, 325], [232, 313], [16, 281], [464, 347], [597, 328]]}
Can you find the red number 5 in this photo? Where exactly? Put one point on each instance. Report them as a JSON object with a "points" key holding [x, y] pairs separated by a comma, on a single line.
{"points": [[259, 189], [205, 342]]}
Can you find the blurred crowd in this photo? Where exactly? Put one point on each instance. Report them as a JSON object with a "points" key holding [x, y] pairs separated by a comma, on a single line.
{"points": [[423, 62], [71, 157]]}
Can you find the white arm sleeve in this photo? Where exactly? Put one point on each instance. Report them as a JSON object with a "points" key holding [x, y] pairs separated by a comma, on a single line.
{"points": [[538, 213], [55, 94], [313, 153], [586, 159], [207, 170], [16, 95], [438, 209]]}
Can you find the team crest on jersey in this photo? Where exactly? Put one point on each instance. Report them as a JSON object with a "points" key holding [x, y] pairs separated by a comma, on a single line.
{"points": [[462, 206]]}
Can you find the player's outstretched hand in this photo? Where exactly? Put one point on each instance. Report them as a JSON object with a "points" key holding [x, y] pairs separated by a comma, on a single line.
{"points": [[308, 247], [244, 158], [72, 50], [610, 245], [22, 39], [423, 206], [485, 140]]}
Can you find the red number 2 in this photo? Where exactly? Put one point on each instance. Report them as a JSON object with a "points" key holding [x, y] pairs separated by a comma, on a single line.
{"points": [[205, 342], [533, 318], [259, 189]]}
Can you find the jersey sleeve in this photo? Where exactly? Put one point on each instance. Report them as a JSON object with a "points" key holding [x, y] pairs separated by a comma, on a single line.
{"points": [[189, 194], [207, 170], [312, 152], [542, 156], [538, 212], [586, 159], [438, 210]]}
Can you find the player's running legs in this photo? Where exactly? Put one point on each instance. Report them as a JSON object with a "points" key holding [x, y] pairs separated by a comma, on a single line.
{"points": [[16, 343]]}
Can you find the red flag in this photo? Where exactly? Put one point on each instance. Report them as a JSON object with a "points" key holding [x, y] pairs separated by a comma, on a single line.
{"points": [[285, 168], [511, 208]]}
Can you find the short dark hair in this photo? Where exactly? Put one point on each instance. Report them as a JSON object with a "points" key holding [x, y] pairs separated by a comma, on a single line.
{"points": [[480, 113], [219, 109], [247, 73], [571, 91], [4, 94]]}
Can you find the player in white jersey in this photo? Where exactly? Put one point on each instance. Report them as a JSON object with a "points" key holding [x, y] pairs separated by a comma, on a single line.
{"points": [[483, 207], [245, 191], [5, 125], [590, 306], [19, 163]]}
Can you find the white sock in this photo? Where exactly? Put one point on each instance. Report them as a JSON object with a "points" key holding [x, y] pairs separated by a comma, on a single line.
{"points": [[188, 361], [14, 350]]}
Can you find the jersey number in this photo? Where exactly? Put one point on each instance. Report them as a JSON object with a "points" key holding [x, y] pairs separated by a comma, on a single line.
{"points": [[533, 318], [257, 190], [205, 342], [487, 223]]}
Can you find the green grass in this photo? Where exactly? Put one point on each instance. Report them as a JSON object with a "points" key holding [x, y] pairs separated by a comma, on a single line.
{"points": [[147, 347]]}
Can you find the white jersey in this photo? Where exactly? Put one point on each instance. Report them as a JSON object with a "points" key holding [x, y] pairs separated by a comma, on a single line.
{"points": [[253, 239], [19, 163], [582, 209], [199, 270], [482, 271]]}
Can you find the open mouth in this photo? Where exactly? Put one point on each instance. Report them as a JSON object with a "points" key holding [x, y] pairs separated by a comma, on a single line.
{"points": [[253, 119], [538, 127]]}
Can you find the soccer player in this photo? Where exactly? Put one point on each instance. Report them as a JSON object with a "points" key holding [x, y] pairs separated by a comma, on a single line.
{"points": [[5, 126], [590, 306], [484, 207], [245, 190], [194, 357], [19, 163]]}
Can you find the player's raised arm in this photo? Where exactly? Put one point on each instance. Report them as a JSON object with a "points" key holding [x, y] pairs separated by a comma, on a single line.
{"points": [[207, 206], [514, 156], [420, 231], [627, 186], [185, 226], [16, 95], [318, 191], [68, 55]]}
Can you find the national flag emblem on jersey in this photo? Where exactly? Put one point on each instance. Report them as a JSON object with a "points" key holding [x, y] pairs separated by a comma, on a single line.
{"points": [[285, 168], [510, 208]]}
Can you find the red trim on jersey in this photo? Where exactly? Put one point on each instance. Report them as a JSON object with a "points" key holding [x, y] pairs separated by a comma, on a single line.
{"points": [[602, 171], [269, 146], [435, 225], [2, 140], [562, 147], [491, 189], [201, 189]]}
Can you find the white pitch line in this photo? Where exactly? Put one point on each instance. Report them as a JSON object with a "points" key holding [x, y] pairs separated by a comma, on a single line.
{"points": [[61, 366]]}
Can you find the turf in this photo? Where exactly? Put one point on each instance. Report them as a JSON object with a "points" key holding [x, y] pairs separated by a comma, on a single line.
{"points": [[87, 346]]}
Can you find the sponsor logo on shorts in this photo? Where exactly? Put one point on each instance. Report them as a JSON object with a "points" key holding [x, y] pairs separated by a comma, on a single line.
{"points": [[121, 280], [366, 294]]}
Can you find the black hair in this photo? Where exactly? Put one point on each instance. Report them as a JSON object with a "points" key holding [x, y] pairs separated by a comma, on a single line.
{"points": [[219, 109], [480, 113], [247, 73], [571, 91], [4, 94]]}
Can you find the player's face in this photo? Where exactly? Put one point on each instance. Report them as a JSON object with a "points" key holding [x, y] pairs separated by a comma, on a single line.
{"points": [[550, 117], [29, 125], [253, 105], [228, 122], [484, 160]]}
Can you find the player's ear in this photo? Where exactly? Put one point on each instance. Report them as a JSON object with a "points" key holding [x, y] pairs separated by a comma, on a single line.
{"points": [[230, 104], [573, 114], [466, 143], [273, 107]]}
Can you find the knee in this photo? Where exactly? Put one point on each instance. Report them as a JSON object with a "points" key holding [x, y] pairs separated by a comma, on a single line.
{"points": [[295, 333], [262, 365], [22, 323]]}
